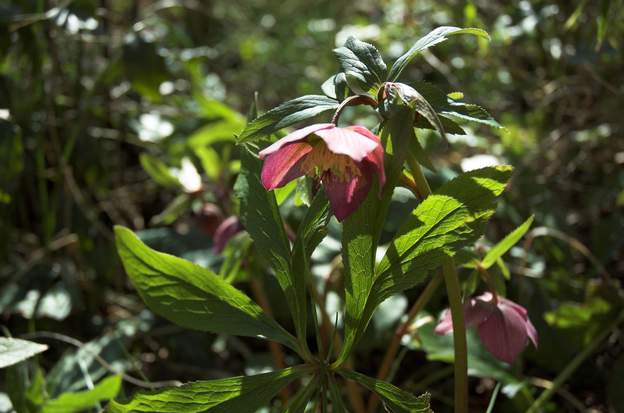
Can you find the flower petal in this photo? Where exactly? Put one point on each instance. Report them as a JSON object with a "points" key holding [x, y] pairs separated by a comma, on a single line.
{"points": [[504, 334], [346, 196], [295, 136], [225, 231], [283, 166], [347, 141]]}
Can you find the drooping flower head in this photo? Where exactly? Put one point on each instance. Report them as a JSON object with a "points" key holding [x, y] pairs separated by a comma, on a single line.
{"points": [[344, 160], [226, 230], [504, 327]]}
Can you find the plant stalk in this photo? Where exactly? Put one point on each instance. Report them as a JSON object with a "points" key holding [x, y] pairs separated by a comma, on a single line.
{"points": [[453, 291]]}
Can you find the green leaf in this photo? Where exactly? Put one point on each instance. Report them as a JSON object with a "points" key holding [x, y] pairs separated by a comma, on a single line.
{"points": [[453, 217], [395, 399], [192, 296], [14, 350], [158, 171], [336, 396], [261, 217], [244, 394], [216, 132], [437, 35], [176, 208], [336, 87], [498, 250], [303, 396], [287, 114], [362, 64], [105, 390], [361, 231], [470, 112]]}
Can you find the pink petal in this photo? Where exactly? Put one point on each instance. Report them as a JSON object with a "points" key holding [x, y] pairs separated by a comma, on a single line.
{"points": [[504, 334], [283, 166], [346, 197], [531, 332], [475, 312], [347, 141], [445, 325], [295, 136], [225, 231]]}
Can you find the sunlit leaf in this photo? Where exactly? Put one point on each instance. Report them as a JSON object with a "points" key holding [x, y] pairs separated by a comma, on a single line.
{"points": [[14, 350]]}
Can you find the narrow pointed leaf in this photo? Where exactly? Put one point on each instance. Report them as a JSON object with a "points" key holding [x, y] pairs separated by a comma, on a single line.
{"points": [[192, 296], [302, 398], [80, 401], [437, 35], [335, 395], [244, 394], [261, 217], [395, 399], [498, 250], [287, 114], [14, 350]]}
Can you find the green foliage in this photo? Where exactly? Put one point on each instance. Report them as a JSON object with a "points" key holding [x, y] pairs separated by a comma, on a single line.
{"points": [[260, 215], [362, 65], [436, 36], [286, 114], [498, 250], [234, 394], [14, 350], [395, 399], [192, 296], [105, 390]]}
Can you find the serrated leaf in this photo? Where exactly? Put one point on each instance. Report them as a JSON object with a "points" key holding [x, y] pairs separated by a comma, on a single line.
{"points": [[437, 35], [362, 64], [158, 171], [261, 217], [287, 114], [14, 350], [243, 394], [192, 296], [361, 231], [395, 399], [506, 243], [105, 390], [453, 217]]}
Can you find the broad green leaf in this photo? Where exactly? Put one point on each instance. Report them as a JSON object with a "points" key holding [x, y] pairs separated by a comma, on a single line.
{"points": [[287, 114], [361, 231], [261, 217], [105, 390], [437, 35], [243, 394], [298, 403], [283, 193], [216, 132], [158, 171], [395, 399], [210, 160], [14, 350], [505, 245], [453, 217], [362, 64], [192, 296]]}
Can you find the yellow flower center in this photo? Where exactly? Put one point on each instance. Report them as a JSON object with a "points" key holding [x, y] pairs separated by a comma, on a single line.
{"points": [[321, 160]]}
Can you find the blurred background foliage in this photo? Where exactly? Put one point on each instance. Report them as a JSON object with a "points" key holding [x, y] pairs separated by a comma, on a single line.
{"points": [[116, 112]]}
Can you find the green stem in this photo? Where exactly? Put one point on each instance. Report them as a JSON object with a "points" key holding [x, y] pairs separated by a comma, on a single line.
{"points": [[453, 290], [573, 365]]}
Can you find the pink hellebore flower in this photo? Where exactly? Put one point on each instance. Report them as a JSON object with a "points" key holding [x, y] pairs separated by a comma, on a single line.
{"points": [[504, 328], [224, 232], [345, 161]]}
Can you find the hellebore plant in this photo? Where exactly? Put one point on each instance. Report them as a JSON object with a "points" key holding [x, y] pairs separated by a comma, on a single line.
{"points": [[351, 173]]}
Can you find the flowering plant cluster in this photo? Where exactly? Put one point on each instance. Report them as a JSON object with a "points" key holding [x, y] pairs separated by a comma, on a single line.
{"points": [[350, 173]]}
